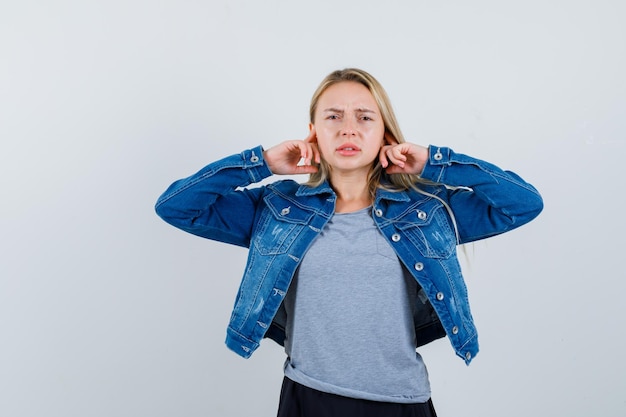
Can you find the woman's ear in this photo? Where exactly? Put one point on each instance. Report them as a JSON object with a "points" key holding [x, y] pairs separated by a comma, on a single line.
{"points": [[312, 131], [312, 138], [388, 139]]}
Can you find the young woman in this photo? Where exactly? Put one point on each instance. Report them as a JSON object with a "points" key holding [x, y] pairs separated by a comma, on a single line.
{"points": [[355, 269]]}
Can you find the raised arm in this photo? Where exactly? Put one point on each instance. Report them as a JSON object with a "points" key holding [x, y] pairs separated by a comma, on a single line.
{"points": [[485, 199], [211, 203]]}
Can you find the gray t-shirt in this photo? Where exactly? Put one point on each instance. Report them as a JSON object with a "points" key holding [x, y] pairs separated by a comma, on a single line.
{"points": [[350, 317]]}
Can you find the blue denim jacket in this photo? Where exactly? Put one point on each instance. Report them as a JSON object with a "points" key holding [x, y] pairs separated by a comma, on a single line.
{"points": [[278, 223]]}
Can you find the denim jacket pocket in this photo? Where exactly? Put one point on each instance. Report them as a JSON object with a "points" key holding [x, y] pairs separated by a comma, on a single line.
{"points": [[280, 224], [429, 229]]}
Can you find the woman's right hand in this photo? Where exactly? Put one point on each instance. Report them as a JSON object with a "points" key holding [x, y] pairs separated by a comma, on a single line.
{"points": [[294, 156]]}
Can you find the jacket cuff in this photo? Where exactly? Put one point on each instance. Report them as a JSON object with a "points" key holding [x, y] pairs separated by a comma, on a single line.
{"points": [[438, 159], [255, 165]]}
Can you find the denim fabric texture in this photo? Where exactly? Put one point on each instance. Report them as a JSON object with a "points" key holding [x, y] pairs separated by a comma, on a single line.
{"points": [[278, 222]]}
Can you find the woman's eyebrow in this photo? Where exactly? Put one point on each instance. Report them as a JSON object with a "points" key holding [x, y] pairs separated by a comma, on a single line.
{"points": [[364, 110], [333, 110], [359, 110]]}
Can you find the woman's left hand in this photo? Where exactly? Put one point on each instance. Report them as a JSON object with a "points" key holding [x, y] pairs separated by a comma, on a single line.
{"points": [[403, 158]]}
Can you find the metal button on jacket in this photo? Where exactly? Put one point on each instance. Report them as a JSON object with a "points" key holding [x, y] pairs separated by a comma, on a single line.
{"points": [[378, 213], [285, 211], [455, 329], [421, 215], [440, 296], [419, 266], [395, 237]]}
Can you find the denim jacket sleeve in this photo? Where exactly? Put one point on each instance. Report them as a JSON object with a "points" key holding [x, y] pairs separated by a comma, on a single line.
{"points": [[197, 204], [485, 199]]}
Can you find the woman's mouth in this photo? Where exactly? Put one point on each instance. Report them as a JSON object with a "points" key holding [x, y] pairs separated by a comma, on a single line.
{"points": [[348, 149]]}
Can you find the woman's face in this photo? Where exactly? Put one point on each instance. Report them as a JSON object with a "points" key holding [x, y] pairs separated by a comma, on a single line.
{"points": [[349, 127]]}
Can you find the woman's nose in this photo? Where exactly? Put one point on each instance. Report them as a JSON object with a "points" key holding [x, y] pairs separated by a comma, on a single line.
{"points": [[348, 128]]}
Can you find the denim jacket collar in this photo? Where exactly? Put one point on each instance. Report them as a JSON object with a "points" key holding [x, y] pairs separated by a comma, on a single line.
{"points": [[399, 196], [325, 188], [306, 190]]}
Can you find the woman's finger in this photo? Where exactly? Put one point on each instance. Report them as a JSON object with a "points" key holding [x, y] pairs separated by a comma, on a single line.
{"points": [[311, 140], [382, 156], [317, 157], [396, 156]]}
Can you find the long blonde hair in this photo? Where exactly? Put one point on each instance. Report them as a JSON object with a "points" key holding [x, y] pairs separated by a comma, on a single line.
{"points": [[377, 178]]}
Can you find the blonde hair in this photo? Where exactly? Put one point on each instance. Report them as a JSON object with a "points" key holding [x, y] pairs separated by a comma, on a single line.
{"points": [[378, 178]]}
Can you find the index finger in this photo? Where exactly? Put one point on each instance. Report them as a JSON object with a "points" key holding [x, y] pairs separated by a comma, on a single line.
{"points": [[312, 141]]}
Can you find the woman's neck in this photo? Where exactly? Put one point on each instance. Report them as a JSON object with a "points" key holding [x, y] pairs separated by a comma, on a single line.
{"points": [[352, 193]]}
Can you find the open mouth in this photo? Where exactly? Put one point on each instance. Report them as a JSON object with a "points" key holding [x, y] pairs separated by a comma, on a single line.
{"points": [[348, 147]]}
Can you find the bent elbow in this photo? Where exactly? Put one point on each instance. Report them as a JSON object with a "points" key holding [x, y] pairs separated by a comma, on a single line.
{"points": [[536, 205], [530, 209], [169, 214]]}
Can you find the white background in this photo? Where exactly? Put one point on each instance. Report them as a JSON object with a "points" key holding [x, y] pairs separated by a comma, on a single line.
{"points": [[107, 311]]}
